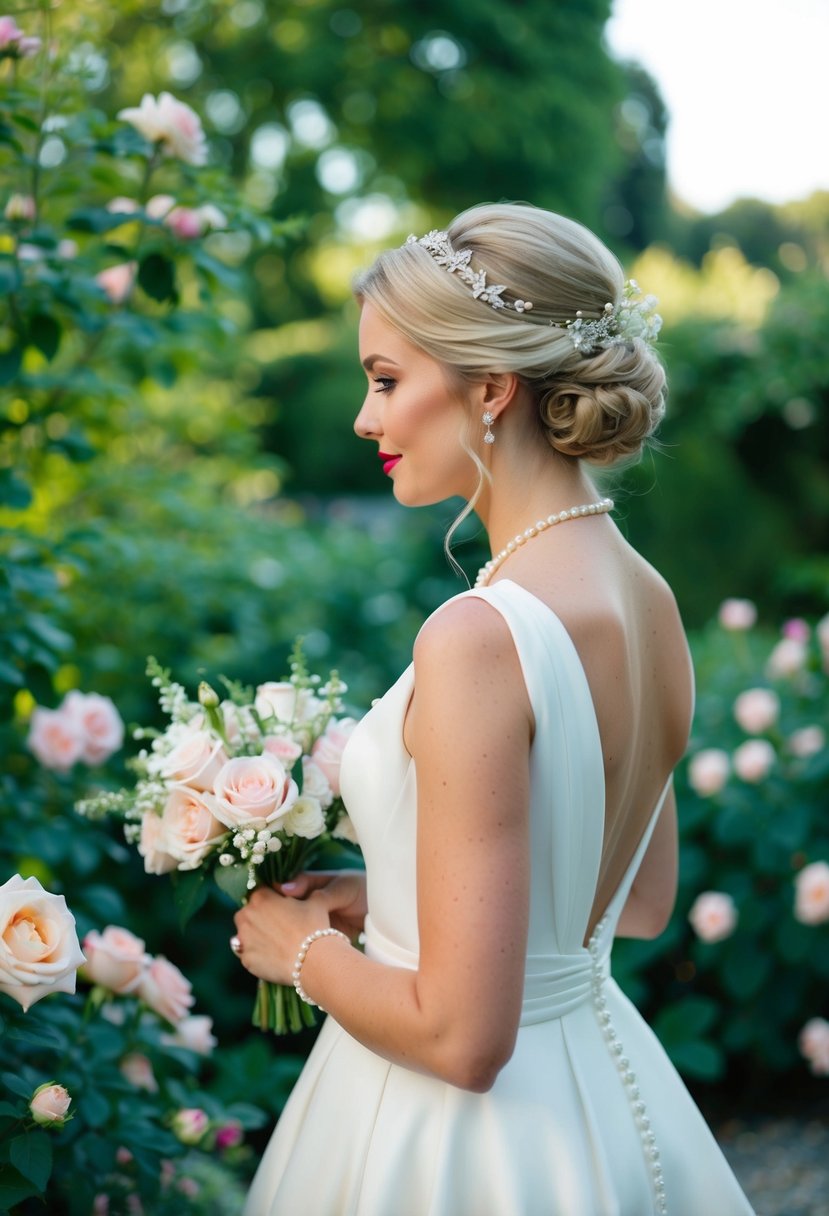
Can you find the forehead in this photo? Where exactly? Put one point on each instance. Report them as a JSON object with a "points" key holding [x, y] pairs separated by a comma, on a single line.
{"points": [[378, 337]]}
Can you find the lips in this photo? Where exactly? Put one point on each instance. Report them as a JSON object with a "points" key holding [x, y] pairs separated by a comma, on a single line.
{"points": [[389, 461]]}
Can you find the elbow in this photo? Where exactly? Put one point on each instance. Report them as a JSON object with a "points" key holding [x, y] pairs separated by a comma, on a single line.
{"points": [[475, 1067]]}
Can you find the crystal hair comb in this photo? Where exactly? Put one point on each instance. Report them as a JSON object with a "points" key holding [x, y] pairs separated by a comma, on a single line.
{"points": [[456, 261]]}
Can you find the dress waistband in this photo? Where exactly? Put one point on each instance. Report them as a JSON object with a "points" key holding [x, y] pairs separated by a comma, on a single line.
{"points": [[554, 984]]}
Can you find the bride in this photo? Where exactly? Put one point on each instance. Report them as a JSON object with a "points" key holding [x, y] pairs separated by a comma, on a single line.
{"points": [[512, 791]]}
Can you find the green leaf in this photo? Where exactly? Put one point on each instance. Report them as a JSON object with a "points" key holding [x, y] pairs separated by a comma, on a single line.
{"points": [[157, 277], [44, 333], [16, 1084], [10, 361], [14, 492], [7, 1108], [189, 893], [685, 1020], [746, 971], [95, 219], [94, 1107], [9, 276], [32, 1154], [233, 880], [13, 1189], [701, 1059]]}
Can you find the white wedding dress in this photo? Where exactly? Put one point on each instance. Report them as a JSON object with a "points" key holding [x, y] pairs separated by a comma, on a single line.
{"points": [[589, 1117]]}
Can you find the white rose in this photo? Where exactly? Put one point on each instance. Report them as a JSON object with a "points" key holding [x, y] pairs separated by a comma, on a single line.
{"points": [[756, 710], [315, 783], [189, 827], [171, 123], [195, 761], [99, 723], [39, 948], [253, 791], [305, 818], [276, 699]]}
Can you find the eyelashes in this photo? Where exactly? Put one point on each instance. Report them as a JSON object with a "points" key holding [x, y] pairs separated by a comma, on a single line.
{"points": [[386, 384]]}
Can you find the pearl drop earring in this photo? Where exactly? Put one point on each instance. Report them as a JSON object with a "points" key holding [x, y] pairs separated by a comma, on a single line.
{"points": [[487, 419]]}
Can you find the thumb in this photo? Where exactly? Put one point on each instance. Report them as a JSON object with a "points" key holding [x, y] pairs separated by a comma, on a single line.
{"points": [[299, 886]]}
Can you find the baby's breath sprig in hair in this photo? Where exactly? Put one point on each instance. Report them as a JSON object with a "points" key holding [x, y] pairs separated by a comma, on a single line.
{"points": [[635, 316]]}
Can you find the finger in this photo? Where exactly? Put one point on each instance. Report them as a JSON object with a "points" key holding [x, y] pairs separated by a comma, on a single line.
{"points": [[299, 886]]}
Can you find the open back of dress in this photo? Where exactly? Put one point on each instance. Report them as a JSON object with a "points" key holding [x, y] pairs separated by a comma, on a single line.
{"points": [[588, 1118]]}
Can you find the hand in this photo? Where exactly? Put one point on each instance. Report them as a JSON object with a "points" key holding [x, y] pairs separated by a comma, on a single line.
{"points": [[344, 892], [271, 929]]}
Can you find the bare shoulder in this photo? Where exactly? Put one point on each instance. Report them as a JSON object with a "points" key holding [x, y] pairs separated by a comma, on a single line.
{"points": [[465, 632]]}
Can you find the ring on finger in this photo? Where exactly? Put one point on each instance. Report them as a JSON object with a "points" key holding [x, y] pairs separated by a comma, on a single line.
{"points": [[236, 944]]}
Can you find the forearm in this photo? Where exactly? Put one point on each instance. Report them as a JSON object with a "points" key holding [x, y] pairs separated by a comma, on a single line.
{"points": [[391, 1011]]}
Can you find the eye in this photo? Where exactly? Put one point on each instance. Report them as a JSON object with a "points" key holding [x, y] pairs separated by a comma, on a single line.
{"points": [[386, 383]]}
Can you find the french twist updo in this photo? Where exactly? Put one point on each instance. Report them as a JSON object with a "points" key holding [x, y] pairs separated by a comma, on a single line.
{"points": [[599, 405]]}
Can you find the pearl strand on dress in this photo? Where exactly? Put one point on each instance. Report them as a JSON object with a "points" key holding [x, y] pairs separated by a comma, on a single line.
{"points": [[640, 1112], [591, 508]]}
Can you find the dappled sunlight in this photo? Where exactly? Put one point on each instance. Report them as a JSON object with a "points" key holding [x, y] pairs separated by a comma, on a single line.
{"points": [[725, 286]]}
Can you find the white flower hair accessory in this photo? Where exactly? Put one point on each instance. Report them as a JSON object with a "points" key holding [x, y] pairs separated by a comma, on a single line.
{"points": [[635, 316], [456, 261]]}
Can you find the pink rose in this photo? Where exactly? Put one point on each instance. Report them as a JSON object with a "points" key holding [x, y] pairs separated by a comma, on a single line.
{"points": [[115, 959], [189, 828], [808, 741], [191, 222], [797, 629], [229, 1135], [10, 31], [195, 1033], [315, 783], [327, 752], [50, 1104], [151, 845], [138, 1070], [170, 123], [99, 723], [713, 916], [756, 710], [813, 1042], [708, 771], [55, 739], [190, 1123], [39, 948], [737, 615], [753, 759], [283, 748], [20, 207], [253, 791], [195, 761], [166, 990], [117, 281], [787, 658], [14, 42], [811, 904]]}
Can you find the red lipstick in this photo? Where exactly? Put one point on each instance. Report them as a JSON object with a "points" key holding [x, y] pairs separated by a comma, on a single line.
{"points": [[389, 461]]}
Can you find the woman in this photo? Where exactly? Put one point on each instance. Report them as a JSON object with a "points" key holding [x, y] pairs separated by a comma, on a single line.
{"points": [[512, 790]]}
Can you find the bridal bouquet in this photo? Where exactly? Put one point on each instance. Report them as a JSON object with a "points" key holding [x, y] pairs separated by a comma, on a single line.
{"points": [[245, 788]]}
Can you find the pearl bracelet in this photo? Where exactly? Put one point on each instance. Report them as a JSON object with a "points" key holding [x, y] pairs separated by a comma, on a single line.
{"points": [[300, 959]]}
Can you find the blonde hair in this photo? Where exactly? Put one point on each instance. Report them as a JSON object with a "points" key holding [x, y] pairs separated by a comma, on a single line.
{"points": [[599, 407]]}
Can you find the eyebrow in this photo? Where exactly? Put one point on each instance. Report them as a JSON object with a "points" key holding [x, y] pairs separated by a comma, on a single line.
{"points": [[370, 360]]}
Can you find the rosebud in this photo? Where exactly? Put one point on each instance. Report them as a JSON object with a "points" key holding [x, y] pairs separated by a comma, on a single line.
{"points": [[49, 1104], [189, 1124], [208, 697], [229, 1135]]}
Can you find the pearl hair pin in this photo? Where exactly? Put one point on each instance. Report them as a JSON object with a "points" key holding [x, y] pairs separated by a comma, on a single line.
{"points": [[591, 508]]}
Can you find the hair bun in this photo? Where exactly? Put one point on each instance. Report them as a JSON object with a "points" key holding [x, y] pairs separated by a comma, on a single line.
{"points": [[610, 407]]}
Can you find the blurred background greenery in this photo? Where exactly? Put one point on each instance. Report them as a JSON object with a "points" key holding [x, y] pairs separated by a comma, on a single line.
{"points": [[179, 476]]}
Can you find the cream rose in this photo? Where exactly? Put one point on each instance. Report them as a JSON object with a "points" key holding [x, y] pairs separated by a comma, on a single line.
{"points": [[753, 759], [305, 818], [172, 124], [276, 699], [315, 783], [115, 959], [713, 916], [165, 990], [787, 659], [328, 750], [253, 791], [50, 1104], [151, 845], [99, 723], [756, 710], [195, 1032], [195, 760], [137, 1069], [189, 827], [811, 905], [55, 739], [808, 741], [708, 771], [39, 948]]}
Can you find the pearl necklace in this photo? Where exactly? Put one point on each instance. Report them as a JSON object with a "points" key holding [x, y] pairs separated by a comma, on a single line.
{"points": [[592, 508]]}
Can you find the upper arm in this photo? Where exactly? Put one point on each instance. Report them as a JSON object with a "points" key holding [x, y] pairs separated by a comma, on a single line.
{"points": [[471, 728]]}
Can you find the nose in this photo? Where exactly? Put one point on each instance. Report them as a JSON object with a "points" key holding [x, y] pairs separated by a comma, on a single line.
{"points": [[367, 422]]}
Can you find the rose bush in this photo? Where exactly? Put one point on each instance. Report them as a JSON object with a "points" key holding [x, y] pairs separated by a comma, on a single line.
{"points": [[744, 964]]}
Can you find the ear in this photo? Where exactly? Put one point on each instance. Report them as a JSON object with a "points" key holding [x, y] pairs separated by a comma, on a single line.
{"points": [[498, 391]]}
